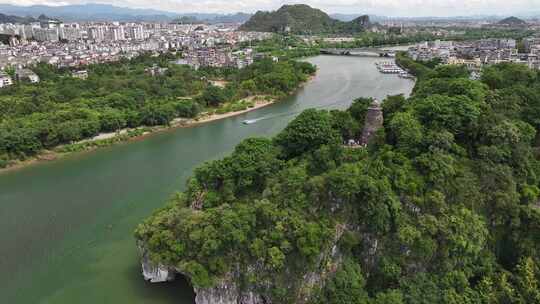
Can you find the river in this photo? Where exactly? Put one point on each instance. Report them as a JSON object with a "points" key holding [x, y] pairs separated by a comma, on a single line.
{"points": [[66, 227]]}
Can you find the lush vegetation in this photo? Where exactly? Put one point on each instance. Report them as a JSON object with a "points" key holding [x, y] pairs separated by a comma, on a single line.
{"points": [[397, 37], [295, 46], [302, 19], [62, 110], [285, 46], [440, 208]]}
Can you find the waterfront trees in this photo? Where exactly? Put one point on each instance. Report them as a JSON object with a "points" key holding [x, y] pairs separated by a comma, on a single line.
{"points": [[61, 109]]}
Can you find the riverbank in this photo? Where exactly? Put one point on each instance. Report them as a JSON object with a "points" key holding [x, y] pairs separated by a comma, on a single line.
{"points": [[124, 135]]}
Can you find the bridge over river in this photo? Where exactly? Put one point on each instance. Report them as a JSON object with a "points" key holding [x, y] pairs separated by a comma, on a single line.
{"points": [[360, 52]]}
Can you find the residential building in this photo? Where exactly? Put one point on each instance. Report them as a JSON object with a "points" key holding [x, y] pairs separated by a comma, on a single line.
{"points": [[26, 74], [96, 33], [116, 33], [136, 32], [155, 71], [70, 33], [46, 34], [5, 80], [82, 74]]}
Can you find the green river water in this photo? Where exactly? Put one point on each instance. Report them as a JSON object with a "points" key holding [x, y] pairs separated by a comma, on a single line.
{"points": [[66, 227]]}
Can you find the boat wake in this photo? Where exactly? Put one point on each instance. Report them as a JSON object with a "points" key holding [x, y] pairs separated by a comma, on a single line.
{"points": [[252, 121]]}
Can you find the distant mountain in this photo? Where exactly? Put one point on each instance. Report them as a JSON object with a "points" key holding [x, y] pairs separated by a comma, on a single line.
{"points": [[512, 21], [89, 12], [22, 20], [186, 20], [233, 18], [106, 12], [344, 17], [302, 19], [351, 17], [16, 19], [213, 18]]}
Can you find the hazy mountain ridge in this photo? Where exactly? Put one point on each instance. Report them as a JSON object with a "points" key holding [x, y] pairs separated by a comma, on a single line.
{"points": [[379, 18], [23, 20], [88, 12], [106, 12], [16, 19], [512, 21]]}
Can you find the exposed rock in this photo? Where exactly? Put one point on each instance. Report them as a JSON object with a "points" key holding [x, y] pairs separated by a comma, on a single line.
{"points": [[371, 246], [198, 201], [328, 262], [227, 291], [374, 121], [154, 273]]}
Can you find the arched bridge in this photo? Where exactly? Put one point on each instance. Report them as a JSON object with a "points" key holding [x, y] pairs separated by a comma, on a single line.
{"points": [[360, 52]]}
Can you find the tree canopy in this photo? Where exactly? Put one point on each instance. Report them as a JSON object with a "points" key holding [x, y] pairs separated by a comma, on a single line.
{"points": [[62, 109], [443, 208]]}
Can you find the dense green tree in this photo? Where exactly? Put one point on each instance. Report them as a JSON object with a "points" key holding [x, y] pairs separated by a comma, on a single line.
{"points": [[62, 109], [112, 120], [507, 75], [359, 108], [310, 130], [443, 208], [344, 122], [346, 287], [213, 96]]}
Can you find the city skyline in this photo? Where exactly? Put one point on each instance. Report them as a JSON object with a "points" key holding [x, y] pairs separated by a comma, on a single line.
{"points": [[398, 8]]}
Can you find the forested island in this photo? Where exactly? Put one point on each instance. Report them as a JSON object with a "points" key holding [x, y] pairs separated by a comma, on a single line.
{"points": [[440, 207], [58, 113]]}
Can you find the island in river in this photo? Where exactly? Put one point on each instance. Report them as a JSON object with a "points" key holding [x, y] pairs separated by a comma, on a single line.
{"points": [[66, 226]]}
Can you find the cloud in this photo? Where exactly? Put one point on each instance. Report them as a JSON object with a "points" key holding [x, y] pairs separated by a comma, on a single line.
{"points": [[381, 7]]}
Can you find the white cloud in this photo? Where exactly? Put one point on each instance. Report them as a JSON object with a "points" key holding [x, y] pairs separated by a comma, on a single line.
{"points": [[381, 7]]}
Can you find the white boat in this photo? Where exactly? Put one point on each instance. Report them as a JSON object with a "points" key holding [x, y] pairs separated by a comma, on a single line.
{"points": [[249, 121]]}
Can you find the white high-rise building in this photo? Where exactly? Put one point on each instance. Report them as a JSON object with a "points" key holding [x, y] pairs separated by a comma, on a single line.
{"points": [[116, 33], [96, 33], [70, 32], [46, 34], [136, 32]]}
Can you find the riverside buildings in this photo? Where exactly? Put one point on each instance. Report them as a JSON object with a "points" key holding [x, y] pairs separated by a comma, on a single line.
{"points": [[79, 44], [475, 54]]}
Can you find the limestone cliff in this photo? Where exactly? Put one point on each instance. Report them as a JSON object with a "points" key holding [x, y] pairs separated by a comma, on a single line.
{"points": [[228, 290]]}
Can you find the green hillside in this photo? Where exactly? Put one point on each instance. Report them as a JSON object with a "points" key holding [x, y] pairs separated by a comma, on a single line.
{"points": [[302, 19], [441, 207], [512, 21]]}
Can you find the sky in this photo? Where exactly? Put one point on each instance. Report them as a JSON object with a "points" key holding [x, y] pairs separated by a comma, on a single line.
{"points": [[378, 7]]}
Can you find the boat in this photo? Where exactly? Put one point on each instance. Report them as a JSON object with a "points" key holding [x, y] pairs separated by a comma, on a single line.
{"points": [[405, 75], [387, 67], [249, 121]]}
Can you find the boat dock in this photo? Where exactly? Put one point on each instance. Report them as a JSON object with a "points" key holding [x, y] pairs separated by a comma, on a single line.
{"points": [[389, 67]]}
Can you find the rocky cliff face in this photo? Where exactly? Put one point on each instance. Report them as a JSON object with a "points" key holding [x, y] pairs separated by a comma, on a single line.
{"points": [[228, 291], [225, 292], [151, 272]]}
